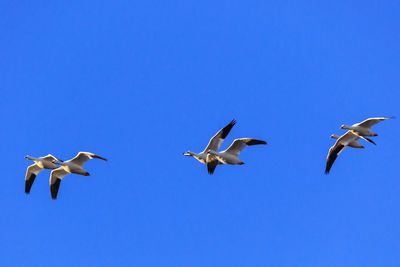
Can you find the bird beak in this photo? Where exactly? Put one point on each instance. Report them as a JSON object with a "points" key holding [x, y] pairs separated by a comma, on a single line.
{"points": [[186, 154]]}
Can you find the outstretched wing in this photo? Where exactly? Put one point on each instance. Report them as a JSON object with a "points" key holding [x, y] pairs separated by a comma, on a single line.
{"points": [[83, 157], [334, 152], [50, 157], [30, 176], [239, 144], [55, 179], [216, 141], [368, 123]]}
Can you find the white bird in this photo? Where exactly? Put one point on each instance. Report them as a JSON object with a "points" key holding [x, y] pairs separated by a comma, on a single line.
{"points": [[67, 167], [364, 128], [348, 139], [230, 155], [39, 165], [214, 144]]}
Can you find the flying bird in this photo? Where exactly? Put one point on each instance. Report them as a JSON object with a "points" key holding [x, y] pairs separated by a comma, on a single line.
{"points": [[349, 139], [67, 167], [231, 155], [214, 144], [39, 165], [364, 128]]}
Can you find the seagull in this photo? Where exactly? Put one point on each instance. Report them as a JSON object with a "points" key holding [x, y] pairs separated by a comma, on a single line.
{"points": [[364, 128], [39, 165], [348, 139], [230, 155], [214, 144], [67, 167]]}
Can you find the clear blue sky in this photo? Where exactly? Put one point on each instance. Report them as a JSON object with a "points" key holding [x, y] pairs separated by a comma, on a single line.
{"points": [[141, 82]]}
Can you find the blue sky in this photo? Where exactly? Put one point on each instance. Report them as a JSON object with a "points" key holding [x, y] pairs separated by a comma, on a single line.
{"points": [[141, 82]]}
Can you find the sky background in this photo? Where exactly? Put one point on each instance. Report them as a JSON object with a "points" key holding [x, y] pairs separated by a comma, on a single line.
{"points": [[141, 82]]}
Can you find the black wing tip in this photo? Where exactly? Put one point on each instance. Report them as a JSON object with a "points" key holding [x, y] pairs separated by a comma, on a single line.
{"points": [[211, 168], [369, 140], [256, 142], [228, 128], [98, 157], [27, 187], [329, 167], [332, 156], [29, 183], [54, 188]]}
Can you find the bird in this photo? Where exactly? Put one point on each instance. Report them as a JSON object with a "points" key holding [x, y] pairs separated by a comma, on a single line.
{"points": [[67, 167], [33, 170], [214, 144], [364, 128], [348, 139], [230, 155]]}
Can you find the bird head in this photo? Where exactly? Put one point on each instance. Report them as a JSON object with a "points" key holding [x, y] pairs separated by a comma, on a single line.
{"points": [[188, 153]]}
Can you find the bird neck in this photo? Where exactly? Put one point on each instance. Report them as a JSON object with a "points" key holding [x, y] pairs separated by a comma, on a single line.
{"points": [[334, 136], [348, 127], [30, 158]]}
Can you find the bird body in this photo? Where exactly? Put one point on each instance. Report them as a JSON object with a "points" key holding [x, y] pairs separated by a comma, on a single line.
{"points": [[230, 155], [44, 162], [226, 158], [73, 168]]}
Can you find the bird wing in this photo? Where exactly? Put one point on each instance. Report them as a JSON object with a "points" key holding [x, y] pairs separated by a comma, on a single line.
{"points": [[367, 139], [216, 141], [368, 123], [55, 179], [82, 157], [50, 157], [239, 144], [30, 176], [334, 152], [212, 163]]}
